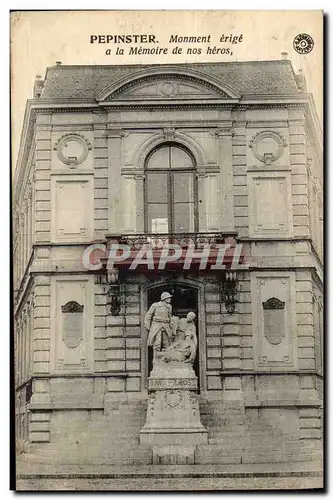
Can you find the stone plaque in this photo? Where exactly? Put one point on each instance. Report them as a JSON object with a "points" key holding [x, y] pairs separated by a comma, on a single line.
{"points": [[72, 324], [274, 324]]}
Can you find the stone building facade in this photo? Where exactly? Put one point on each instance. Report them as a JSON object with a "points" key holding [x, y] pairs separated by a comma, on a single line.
{"points": [[225, 153]]}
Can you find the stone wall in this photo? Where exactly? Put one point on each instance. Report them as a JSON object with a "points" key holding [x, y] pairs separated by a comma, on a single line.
{"points": [[73, 205]]}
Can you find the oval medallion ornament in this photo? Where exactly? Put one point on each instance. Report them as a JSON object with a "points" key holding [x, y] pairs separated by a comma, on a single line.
{"points": [[72, 324], [72, 149], [268, 146], [168, 89]]}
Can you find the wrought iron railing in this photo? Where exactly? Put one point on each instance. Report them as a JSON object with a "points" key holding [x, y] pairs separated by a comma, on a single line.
{"points": [[198, 240]]}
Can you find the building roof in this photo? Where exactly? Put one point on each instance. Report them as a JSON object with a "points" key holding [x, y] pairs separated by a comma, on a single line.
{"points": [[250, 77]]}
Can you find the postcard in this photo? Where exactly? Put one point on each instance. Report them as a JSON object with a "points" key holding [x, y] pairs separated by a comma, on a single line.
{"points": [[167, 250]]}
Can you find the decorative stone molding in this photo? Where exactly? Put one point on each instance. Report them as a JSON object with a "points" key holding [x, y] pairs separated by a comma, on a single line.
{"points": [[62, 143], [16, 222], [109, 280], [173, 398], [139, 176], [316, 185], [29, 191], [309, 165], [276, 151], [21, 220], [31, 303], [60, 363], [273, 303], [72, 307], [229, 291], [222, 132], [25, 204], [320, 303], [168, 89], [115, 133], [169, 133], [16, 214], [168, 75], [158, 139], [317, 299]]}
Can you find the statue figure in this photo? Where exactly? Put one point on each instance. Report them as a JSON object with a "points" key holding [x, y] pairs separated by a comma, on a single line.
{"points": [[174, 327], [158, 321], [185, 346]]}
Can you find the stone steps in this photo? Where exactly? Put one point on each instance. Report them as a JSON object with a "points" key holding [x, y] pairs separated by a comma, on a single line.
{"points": [[265, 444], [273, 456], [205, 454], [123, 455], [113, 439], [242, 432], [226, 448], [283, 443], [261, 458], [166, 478]]}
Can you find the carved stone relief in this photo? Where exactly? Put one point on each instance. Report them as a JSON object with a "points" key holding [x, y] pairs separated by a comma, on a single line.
{"points": [[168, 88], [173, 398]]}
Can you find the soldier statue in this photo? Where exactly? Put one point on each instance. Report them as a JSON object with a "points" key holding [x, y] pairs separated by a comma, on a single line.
{"points": [[158, 321], [184, 346]]}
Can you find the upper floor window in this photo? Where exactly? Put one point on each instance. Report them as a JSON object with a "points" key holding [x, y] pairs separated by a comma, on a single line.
{"points": [[170, 191]]}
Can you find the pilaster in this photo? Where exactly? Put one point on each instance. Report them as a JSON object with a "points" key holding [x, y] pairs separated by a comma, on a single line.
{"points": [[225, 151], [101, 173], [42, 178], [114, 180]]}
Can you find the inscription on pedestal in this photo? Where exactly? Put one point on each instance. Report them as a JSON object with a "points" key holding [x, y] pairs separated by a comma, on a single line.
{"points": [[178, 383]]}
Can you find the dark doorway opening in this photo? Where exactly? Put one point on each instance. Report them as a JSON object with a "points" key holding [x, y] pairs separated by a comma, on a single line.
{"points": [[184, 299]]}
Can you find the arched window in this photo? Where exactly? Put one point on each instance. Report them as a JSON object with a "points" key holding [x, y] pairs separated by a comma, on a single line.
{"points": [[170, 191]]}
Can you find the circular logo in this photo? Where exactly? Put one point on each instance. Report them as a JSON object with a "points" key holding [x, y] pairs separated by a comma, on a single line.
{"points": [[303, 43]]}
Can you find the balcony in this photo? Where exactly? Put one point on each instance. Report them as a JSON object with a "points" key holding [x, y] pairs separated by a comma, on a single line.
{"points": [[175, 251]]}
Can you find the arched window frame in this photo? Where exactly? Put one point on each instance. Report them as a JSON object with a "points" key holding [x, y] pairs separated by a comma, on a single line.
{"points": [[170, 172]]}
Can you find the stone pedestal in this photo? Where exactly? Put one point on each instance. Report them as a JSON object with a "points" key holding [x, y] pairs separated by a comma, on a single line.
{"points": [[173, 416]]}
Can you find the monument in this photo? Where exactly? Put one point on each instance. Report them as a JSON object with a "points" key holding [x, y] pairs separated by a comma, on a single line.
{"points": [[173, 427]]}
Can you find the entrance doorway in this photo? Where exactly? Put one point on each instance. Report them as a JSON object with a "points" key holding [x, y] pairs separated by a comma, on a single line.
{"points": [[184, 299]]}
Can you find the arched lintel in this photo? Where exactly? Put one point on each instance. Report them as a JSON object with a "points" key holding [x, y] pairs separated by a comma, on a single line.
{"points": [[167, 71], [159, 139], [197, 284]]}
